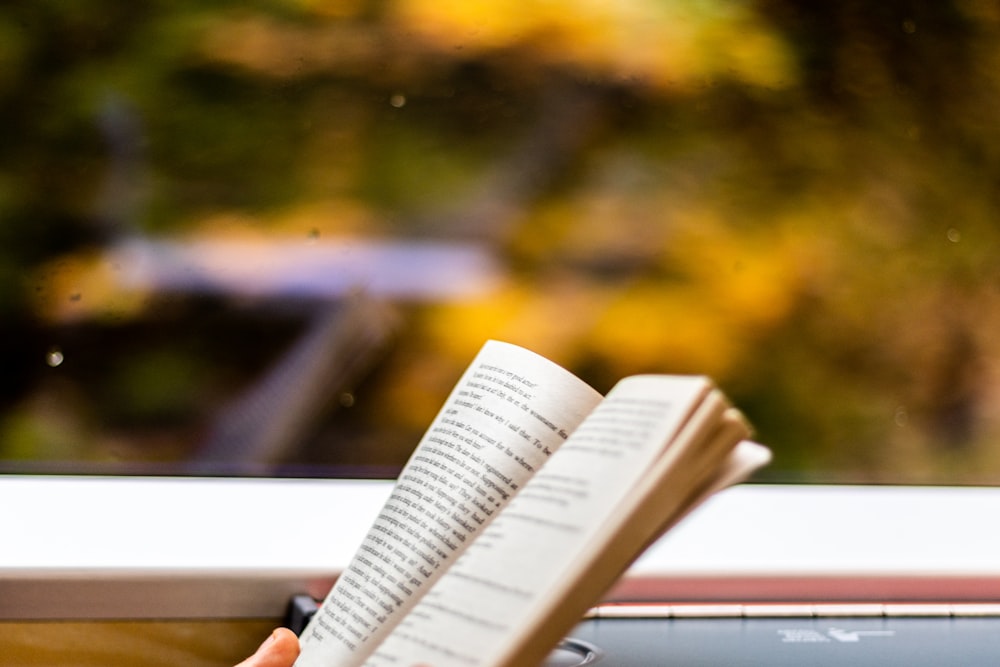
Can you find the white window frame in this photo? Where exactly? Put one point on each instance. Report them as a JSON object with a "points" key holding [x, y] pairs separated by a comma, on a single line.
{"points": [[171, 548]]}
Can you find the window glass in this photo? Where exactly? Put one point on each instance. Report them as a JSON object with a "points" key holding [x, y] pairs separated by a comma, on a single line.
{"points": [[264, 238]]}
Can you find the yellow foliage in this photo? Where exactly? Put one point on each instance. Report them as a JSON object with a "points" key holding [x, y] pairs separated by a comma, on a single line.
{"points": [[316, 219], [699, 290], [331, 8], [596, 221], [83, 286], [281, 50], [754, 275], [652, 328], [665, 44], [721, 289], [550, 318]]}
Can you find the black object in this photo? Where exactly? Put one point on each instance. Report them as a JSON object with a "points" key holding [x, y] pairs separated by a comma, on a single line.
{"points": [[795, 641], [301, 608]]}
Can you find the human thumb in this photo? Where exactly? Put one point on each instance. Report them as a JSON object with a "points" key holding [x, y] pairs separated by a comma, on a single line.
{"points": [[278, 650]]}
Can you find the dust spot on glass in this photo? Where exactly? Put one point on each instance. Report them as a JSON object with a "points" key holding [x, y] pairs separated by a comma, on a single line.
{"points": [[347, 399], [901, 417], [54, 357], [313, 235], [954, 235], [398, 100], [909, 26], [75, 297]]}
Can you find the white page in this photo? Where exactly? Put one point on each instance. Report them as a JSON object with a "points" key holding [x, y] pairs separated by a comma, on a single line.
{"points": [[508, 413], [472, 611]]}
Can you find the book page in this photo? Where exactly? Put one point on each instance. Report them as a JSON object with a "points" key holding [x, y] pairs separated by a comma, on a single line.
{"points": [[708, 452], [509, 412], [472, 614]]}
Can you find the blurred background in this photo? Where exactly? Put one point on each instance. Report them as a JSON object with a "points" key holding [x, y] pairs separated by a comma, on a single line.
{"points": [[265, 237]]}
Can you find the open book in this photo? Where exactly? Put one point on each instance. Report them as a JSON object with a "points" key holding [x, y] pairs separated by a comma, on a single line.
{"points": [[525, 500]]}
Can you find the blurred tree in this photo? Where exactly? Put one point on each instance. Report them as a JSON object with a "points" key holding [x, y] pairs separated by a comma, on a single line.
{"points": [[798, 199]]}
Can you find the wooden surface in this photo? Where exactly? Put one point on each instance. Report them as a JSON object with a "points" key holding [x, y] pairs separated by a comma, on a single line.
{"points": [[125, 643]]}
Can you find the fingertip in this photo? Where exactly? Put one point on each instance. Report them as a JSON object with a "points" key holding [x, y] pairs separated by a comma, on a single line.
{"points": [[285, 643], [284, 635], [280, 649]]}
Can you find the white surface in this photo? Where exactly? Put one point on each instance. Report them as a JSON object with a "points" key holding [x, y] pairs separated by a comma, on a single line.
{"points": [[174, 548], [107, 524], [150, 547], [835, 530]]}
